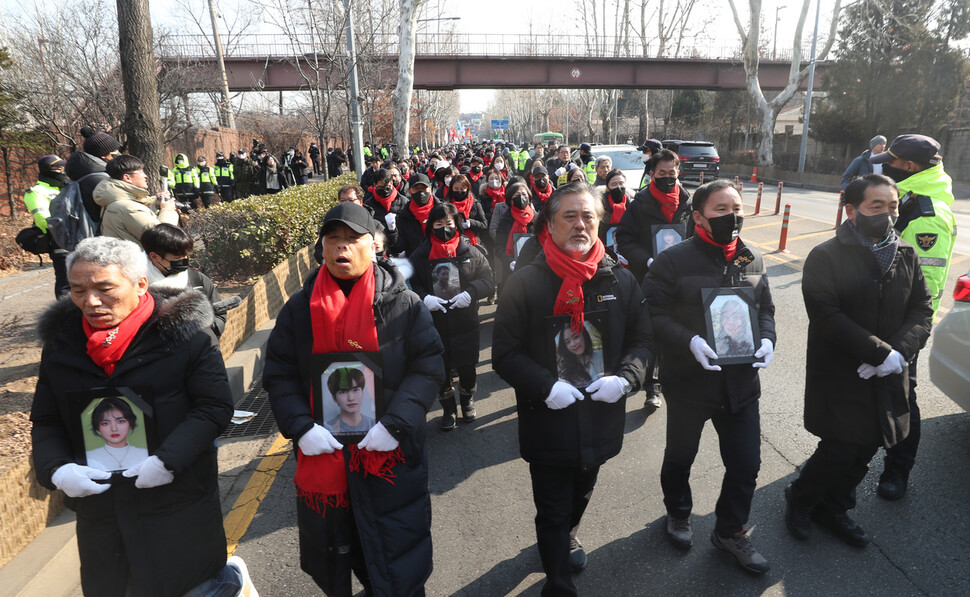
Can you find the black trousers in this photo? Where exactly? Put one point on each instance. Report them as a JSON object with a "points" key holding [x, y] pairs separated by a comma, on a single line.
{"points": [[830, 475], [561, 495], [903, 454], [467, 379], [62, 287], [739, 437], [226, 193]]}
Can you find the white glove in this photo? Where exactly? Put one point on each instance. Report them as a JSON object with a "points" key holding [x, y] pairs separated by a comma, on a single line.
{"points": [[560, 171], [318, 441], [649, 262], [512, 266], [461, 300], [608, 388], [622, 259], [562, 395], [894, 363], [465, 224], [767, 351], [151, 472], [866, 371], [434, 303], [77, 481], [391, 220], [378, 439], [703, 353]]}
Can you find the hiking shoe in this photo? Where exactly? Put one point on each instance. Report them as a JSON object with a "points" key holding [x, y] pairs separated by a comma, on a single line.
{"points": [[577, 555], [248, 590], [798, 517], [893, 482], [740, 547], [679, 532], [842, 525]]}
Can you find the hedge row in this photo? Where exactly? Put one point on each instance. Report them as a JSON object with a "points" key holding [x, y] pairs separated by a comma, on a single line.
{"points": [[249, 237]]}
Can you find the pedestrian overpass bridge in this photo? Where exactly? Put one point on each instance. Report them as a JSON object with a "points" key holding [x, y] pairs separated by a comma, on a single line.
{"points": [[476, 61]]}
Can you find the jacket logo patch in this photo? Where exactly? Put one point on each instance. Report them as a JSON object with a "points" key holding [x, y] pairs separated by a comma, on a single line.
{"points": [[926, 241], [743, 260], [605, 297]]}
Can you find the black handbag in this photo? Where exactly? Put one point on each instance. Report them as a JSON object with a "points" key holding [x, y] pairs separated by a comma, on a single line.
{"points": [[34, 240]]}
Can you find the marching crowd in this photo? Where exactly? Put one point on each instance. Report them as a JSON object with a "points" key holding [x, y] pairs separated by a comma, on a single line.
{"points": [[604, 287]]}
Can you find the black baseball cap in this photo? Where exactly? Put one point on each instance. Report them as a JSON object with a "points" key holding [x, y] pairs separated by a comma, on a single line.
{"points": [[51, 161], [419, 178], [917, 148], [354, 216], [651, 145], [585, 147]]}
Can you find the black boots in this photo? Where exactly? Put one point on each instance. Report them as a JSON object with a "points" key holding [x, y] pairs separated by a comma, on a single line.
{"points": [[449, 408], [893, 482], [467, 403]]}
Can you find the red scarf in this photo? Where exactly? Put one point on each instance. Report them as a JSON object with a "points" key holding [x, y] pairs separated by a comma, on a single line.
{"points": [[570, 300], [474, 177], [617, 209], [444, 250], [465, 207], [407, 176], [385, 203], [106, 346], [542, 196], [497, 195], [488, 161], [341, 323], [730, 249], [419, 212], [668, 201], [520, 224]]}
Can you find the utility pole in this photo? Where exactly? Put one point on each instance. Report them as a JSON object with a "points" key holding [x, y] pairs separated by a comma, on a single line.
{"points": [[226, 107], [356, 131], [47, 77], [774, 40], [808, 96]]}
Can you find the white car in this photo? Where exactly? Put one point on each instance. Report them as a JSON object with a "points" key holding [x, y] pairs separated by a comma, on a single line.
{"points": [[626, 158], [949, 366]]}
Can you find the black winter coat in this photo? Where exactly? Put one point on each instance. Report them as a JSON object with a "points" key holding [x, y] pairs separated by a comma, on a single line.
{"points": [[478, 223], [587, 433], [410, 234], [858, 316], [502, 239], [458, 328], [176, 366], [634, 233], [393, 521], [673, 289], [80, 164], [378, 211]]}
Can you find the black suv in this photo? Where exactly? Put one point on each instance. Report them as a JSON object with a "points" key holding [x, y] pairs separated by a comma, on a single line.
{"points": [[695, 157]]}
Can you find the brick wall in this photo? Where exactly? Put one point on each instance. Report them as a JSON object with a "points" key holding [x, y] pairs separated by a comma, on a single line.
{"points": [[26, 508]]}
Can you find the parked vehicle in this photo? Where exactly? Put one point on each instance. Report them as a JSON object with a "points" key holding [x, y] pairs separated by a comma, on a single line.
{"points": [[696, 157], [625, 157], [950, 351], [546, 137]]}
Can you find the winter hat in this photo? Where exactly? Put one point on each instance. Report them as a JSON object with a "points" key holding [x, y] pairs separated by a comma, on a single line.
{"points": [[540, 170], [876, 141], [101, 144], [50, 161]]}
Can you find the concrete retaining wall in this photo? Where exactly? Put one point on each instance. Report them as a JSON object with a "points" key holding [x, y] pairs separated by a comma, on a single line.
{"points": [[25, 508]]}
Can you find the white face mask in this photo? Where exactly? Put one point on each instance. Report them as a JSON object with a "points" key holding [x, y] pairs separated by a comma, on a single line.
{"points": [[290, 152], [500, 165], [494, 183], [645, 157], [448, 181]]}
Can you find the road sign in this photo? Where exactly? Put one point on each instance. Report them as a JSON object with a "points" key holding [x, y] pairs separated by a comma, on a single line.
{"points": [[502, 124], [576, 73]]}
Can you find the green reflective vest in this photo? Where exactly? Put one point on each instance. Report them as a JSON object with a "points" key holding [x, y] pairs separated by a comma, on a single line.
{"points": [[223, 172], [38, 200], [590, 169]]}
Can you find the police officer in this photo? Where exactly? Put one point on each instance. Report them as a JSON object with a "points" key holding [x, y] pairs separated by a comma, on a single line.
{"points": [[184, 181], [38, 199], [225, 179], [206, 181]]}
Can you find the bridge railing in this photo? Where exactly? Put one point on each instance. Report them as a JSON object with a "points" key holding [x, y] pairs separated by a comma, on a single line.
{"points": [[472, 44]]}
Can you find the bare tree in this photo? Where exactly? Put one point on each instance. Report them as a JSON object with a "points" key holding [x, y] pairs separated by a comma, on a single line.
{"points": [[405, 74]]}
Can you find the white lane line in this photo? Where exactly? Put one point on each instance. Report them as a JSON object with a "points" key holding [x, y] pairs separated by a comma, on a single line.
{"points": [[25, 291]]}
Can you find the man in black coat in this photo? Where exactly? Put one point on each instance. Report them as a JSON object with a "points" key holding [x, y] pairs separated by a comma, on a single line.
{"points": [[682, 290], [566, 432], [869, 313], [89, 164], [410, 223]]}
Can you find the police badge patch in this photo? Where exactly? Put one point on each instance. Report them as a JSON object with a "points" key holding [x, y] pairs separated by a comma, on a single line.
{"points": [[926, 241]]}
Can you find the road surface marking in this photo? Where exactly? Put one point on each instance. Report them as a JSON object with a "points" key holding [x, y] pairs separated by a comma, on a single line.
{"points": [[244, 510], [810, 235], [25, 291]]}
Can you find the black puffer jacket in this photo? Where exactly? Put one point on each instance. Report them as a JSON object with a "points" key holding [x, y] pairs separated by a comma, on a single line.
{"points": [[394, 521], [80, 164], [174, 364], [858, 316], [587, 433], [458, 328], [673, 290], [375, 207], [634, 233], [410, 233]]}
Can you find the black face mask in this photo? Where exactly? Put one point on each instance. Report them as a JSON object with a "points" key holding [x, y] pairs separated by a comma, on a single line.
{"points": [[541, 184], [617, 194], [421, 197], [520, 201], [877, 226], [725, 228], [384, 192], [897, 174], [587, 158], [444, 234], [176, 267], [59, 177], [666, 184], [477, 169], [459, 195]]}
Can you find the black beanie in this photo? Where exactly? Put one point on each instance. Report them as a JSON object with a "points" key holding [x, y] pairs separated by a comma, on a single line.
{"points": [[101, 144], [86, 131]]}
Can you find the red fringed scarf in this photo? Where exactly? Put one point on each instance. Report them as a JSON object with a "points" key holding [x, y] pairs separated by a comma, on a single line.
{"points": [[497, 195], [420, 212], [488, 161], [542, 196], [668, 201], [474, 177], [341, 323], [444, 250], [520, 224], [570, 300], [106, 346], [730, 249], [385, 203], [618, 209], [465, 207]]}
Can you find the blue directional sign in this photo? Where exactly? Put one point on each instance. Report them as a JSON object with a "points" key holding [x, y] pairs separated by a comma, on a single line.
{"points": [[502, 124]]}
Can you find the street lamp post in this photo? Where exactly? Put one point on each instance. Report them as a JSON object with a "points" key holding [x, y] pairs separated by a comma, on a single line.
{"points": [[808, 95], [356, 130], [774, 41]]}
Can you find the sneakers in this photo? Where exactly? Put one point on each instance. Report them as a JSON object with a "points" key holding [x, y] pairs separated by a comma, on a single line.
{"points": [[653, 397], [467, 405], [740, 547], [893, 482], [577, 555], [248, 590], [839, 523], [797, 516], [679, 532]]}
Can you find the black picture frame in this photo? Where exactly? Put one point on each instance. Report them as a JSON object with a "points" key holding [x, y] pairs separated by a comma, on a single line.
{"points": [[660, 236], [94, 447], [327, 411], [736, 344], [518, 241], [450, 285], [571, 368]]}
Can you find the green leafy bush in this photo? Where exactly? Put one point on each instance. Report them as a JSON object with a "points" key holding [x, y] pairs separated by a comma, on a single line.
{"points": [[249, 237]]}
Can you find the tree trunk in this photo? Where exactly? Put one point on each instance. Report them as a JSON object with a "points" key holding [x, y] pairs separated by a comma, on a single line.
{"points": [[142, 124], [401, 99], [5, 151]]}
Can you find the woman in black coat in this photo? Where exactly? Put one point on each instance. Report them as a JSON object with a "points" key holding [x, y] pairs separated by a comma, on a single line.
{"points": [[518, 196], [453, 302], [473, 225]]}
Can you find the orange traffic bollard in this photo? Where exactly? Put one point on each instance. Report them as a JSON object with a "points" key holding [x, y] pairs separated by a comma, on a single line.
{"points": [[741, 188], [735, 181], [838, 216], [783, 241], [700, 180], [778, 199], [757, 203]]}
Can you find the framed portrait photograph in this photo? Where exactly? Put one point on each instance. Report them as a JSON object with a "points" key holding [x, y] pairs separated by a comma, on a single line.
{"points": [[348, 392], [579, 358], [666, 236], [732, 324], [518, 241], [117, 428], [611, 237], [445, 280]]}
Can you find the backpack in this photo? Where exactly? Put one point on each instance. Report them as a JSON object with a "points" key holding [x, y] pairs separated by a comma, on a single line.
{"points": [[34, 240], [69, 223]]}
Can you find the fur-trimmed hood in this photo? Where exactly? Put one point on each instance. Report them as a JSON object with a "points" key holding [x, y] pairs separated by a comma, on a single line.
{"points": [[179, 314]]}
